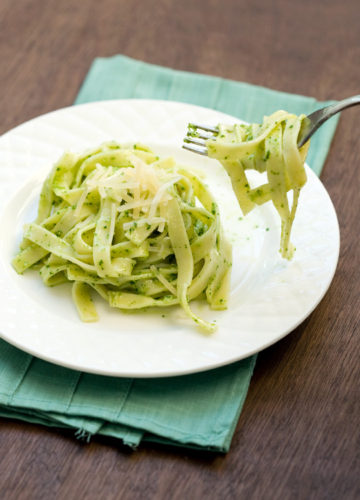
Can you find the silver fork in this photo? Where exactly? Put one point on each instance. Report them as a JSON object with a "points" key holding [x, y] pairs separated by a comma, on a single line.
{"points": [[195, 141]]}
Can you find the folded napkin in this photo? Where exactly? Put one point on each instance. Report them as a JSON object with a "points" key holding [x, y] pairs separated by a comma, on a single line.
{"points": [[199, 410]]}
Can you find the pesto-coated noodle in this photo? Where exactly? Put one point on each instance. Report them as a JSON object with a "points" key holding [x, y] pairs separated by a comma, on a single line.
{"points": [[269, 147]]}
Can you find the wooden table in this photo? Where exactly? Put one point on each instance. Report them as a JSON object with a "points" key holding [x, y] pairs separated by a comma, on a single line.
{"points": [[298, 434]]}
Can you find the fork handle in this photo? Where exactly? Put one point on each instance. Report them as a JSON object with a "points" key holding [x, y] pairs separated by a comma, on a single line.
{"points": [[313, 121], [329, 111]]}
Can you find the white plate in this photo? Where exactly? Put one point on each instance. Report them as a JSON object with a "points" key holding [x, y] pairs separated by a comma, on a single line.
{"points": [[269, 296]]}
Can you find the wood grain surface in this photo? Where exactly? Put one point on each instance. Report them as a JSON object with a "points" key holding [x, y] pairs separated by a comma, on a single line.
{"points": [[298, 434]]}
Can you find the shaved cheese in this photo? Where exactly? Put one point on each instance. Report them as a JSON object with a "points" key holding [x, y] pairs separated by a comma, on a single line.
{"points": [[81, 202], [164, 281], [161, 194], [143, 203]]}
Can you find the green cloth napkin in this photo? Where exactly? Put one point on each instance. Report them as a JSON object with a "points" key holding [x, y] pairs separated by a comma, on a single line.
{"points": [[199, 410]]}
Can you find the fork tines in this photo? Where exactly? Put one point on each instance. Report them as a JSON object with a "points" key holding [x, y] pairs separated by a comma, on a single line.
{"points": [[196, 138]]}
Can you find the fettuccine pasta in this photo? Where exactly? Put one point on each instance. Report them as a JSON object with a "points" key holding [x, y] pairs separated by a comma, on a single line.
{"points": [[272, 148], [139, 230]]}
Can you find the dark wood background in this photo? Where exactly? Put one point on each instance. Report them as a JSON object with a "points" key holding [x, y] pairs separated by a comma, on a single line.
{"points": [[298, 434]]}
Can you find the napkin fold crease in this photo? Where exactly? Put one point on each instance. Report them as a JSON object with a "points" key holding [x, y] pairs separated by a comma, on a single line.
{"points": [[195, 411]]}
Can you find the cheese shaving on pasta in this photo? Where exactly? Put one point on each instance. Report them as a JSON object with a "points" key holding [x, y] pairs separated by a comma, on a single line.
{"points": [[139, 230]]}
